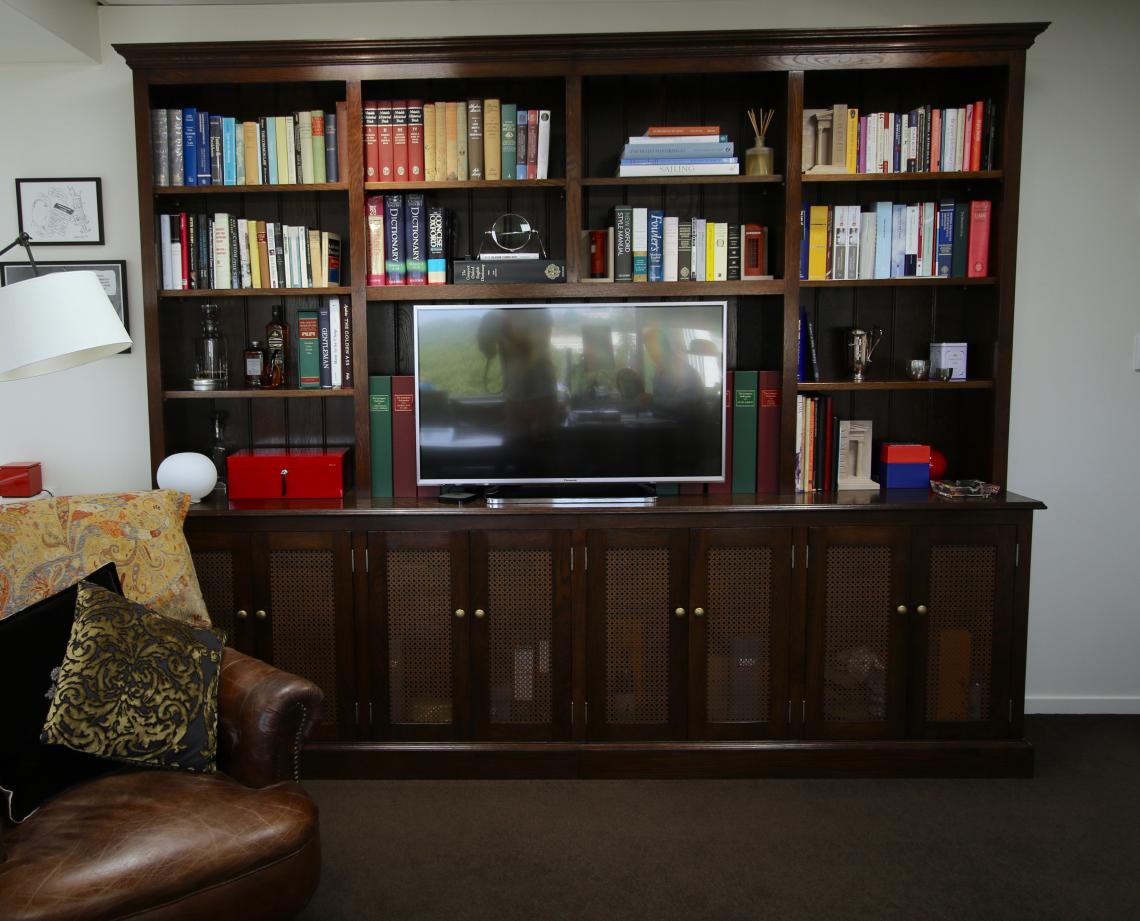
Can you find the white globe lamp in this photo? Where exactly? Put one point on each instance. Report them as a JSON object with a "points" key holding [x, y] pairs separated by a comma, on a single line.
{"points": [[188, 472]]}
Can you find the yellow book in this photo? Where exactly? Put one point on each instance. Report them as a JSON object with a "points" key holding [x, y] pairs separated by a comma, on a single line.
{"points": [[252, 154], [440, 141], [492, 140], [282, 135], [255, 280], [429, 142], [710, 251], [817, 242], [450, 132], [852, 139]]}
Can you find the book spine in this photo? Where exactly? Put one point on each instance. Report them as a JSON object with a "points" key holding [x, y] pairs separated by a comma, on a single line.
{"points": [[175, 140], [374, 215], [734, 253], [457, 162], [416, 255], [385, 141], [191, 244], [262, 254], [234, 251], [380, 434], [333, 260], [332, 146], [676, 151], [768, 432], [988, 161], [979, 135], [926, 238], [679, 169], [960, 250], [400, 159], [202, 148], [183, 266], [492, 139], [205, 251], [910, 254], [684, 250], [324, 333], [979, 246], [305, 145], [623, 243], [429, 134], [320, 167], [279, 234], [670, 230], [190, 146], [437, 246], [245, 265], [404, 436], [678, 131], [508, 114], [543, 164], [165, 253], [348, 377], [700, 249], [532, 118], [744, 432], [394, 239], [335, 340], [263, 149], [521, 121], [813, 355], [640, 244], [475, 160], [656, 245], [371, 141], [229, 151], [308, 350], [945, 246], [817, 242], [443, 118], [838, 242], [853, 241], [529, 271], [867, 239], [719, 252], [898, 240], [160, 146], [416, 153]]}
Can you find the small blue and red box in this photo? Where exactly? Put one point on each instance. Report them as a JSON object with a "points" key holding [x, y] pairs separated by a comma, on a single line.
{"points": [[287, 473], [904, 466]]}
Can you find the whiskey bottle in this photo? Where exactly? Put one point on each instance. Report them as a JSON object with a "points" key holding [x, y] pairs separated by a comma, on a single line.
{"points": [[254, 364], [276, 349]]}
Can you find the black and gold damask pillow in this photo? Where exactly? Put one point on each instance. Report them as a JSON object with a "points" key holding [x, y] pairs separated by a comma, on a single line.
{"points": [[136, 686]]}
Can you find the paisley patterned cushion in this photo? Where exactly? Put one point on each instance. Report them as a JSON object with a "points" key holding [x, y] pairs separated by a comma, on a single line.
{"points": [[49, 544], [136, 686]]}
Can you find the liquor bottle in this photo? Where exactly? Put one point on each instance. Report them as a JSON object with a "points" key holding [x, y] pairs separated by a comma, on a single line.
{"points": [[218, 450], [277, 349], [254, 364], [211, 367]]}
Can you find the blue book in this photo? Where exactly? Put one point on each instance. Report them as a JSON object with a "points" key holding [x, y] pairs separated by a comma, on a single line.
{"points": [[189, 146], [217, 156], [677, 161], [202, 134], [804, 241], [415, 236], [520, 143], [229, 150], [271, 149], [394, 237], [944, 258], [332, 167], [656, 245], [882, 239], [801, 364], [898, 241], [702, 151]]}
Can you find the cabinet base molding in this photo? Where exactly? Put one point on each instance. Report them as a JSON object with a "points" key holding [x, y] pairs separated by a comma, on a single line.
{"points": [[486, 760]]}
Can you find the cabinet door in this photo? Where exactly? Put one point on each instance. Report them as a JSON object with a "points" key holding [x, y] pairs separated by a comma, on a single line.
{"points": [[304, 620], [224, 565], [520, 634], [738, 636], [419, 620], [857, 622], [960, 631], [638, 634]]}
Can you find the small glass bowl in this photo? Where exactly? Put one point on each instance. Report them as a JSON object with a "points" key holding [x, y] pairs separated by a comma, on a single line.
{"points": [[942, 374], [918, 369]]}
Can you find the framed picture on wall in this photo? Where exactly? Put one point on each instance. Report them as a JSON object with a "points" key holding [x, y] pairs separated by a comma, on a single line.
{"points": [[111, 273], [61, 212]]}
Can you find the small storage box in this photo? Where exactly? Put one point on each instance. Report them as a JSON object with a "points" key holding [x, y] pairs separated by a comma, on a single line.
{"points": [[904, 466], [21, 480], [950, 355], [287, 473]]}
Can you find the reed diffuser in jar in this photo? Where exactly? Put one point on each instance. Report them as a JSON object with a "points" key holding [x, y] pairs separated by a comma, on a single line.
{"points": [[758, 159]]}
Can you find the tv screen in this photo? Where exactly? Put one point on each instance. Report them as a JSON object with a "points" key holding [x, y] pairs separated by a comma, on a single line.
{"points": [[570, 393]]}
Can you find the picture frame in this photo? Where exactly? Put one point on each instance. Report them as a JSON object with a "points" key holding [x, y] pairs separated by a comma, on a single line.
{"points": [[112, 273], [61, 212]]}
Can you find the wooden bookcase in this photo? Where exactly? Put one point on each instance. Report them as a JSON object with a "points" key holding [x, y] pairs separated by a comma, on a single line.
{"points": [[601, 89]]}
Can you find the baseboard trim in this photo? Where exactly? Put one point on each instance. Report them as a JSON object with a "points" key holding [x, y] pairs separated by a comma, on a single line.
{"points": [[1113, 705]]}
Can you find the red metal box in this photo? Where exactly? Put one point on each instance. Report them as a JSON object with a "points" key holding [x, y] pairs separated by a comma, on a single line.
{"points": [[287, 473], [21, 479]]}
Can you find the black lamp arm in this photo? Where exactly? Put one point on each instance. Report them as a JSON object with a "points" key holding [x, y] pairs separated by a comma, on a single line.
{"points": [[25, 241]]}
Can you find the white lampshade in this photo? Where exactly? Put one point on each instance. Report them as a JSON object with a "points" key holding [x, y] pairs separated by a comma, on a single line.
{"points": [[56, 321], [193, 474]]}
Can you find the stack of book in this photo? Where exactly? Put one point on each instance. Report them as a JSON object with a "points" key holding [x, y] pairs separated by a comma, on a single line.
{"points": [[324, 346], [924, 140], [945, 239], [679, 150], [211, 251], [193, 147], [476, 139]]}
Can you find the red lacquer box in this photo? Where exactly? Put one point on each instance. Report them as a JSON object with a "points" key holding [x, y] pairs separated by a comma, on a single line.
{"points": [[21, 479], [287, 473]]}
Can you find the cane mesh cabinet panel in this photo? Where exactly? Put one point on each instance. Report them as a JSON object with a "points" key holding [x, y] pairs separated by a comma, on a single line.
{"points": [[520, 612], [215, 570]]}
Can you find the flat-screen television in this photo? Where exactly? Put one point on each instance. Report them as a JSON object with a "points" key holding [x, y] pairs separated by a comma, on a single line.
{"points": [[570, 393]]}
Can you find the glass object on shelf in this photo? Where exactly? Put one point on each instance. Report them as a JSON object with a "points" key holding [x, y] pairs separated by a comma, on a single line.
{"points": [[276, 349], [218, 450], [964, 489], [254, 364], [511, 236], [211, 364]]}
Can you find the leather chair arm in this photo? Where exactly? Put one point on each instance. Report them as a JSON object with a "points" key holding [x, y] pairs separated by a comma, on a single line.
{"points": [[264, 715]]}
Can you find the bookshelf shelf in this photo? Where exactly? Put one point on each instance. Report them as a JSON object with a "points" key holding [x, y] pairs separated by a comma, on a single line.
{"points": [[682, 180], [260, 394], [837, 386], [200, 293], [169, 190], [902, 177], [480, 292], [519, 185], [899, 282]]}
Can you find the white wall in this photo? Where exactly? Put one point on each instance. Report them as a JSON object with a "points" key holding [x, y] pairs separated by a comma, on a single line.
{"points": [[1076, 428]]}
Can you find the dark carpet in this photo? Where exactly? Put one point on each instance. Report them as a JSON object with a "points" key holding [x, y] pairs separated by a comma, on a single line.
{"points": [[1063, 845]]}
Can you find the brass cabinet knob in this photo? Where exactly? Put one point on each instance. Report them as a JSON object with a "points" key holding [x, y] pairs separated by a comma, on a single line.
{"points": [[698, 612], [242, 614], [260, 615], [901, 609], [680, 612], [480, 613], [921, 609], [459, 612]]}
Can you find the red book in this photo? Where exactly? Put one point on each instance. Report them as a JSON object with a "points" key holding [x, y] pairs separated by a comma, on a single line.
{"points": [[936, 140], [689, 131], [404, 436], [371, 150], [726, 486], [400, 141], [384, 141], [416, 140], [978, 265], [185, 238], [976, 149], [768, 432], [532, 143]]}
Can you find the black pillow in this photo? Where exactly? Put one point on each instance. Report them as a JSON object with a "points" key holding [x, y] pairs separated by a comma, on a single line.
{"points": [[33, 642]]}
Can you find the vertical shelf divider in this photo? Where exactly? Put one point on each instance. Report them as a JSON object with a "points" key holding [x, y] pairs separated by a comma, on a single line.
{"points": [[358, 260], [793, 199]]}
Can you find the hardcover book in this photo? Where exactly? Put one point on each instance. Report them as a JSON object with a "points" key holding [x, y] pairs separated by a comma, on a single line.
{"points": [[176, 140], [320, 171], [532, 143], [640, 244], [404, 436], [374, 215], [733, 271], [671, 248], [380, 434], [332, 156], [543, 157], [400, 140], [324, 333], [415, 117], [522, 271], [744, 432], [308, 350], [475, 138], [385, 141], [768, 432], [685, 250], [462, 154], [429, 143], [441, 140], [623, 243], [371, 142], [979, 252], [437, 246], [415, 261], [656, 238], [960, 250], [492, 138], [521, 121], [394, 239], [347, 374], [508, 114], [817, 242]]}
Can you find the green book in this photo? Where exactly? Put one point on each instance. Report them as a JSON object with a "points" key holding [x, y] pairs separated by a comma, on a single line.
{"points": [[308, 350], [744, 432], [380, 426], [507, 138]]}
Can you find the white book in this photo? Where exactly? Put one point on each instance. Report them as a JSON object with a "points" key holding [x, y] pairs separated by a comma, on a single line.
{"points": [[720, 251], [912, 142], [243, 253], [670, 240], [286, 245], [888, 147], [222, 278], [676, 139], [929, 222], [291, 144], [640, 242], [911, 242], [323, 265], [543, 143], [871, 160], [305, 142], [681, 169], [960, 141], [304, 272], [799, 444], [839, 242], [853, 241], [271, 253], [867, 234], [164, 250], [699, 259], [336, 363]]}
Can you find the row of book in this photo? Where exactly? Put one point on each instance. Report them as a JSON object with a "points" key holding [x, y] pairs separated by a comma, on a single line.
{"points": [[218, 251], [650, 245], [476, 139], [924, 140], [945, 239], [689, 150], [817, 444], [194, 147], [324, 346]]}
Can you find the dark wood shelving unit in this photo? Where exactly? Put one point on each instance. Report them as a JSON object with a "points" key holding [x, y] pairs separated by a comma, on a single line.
{"points": [[852, 633]]}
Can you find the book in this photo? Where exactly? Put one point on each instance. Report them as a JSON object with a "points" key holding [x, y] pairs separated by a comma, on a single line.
{"points": [[451, 139], [910, 242], [768, 431], [543, 157], [394, 239], [960, 248], [521, 120], [165, 253], [305, 145], [229, 151], [320, 168], [190, 146], [347, 372], [813, 355], [978, 265], [385, 141], [640, 244], [817, 242], [331, 261], [429, 143], [324, 332], [462, 154], [532, 143], [415, 141], [719, 240], [733, 249], [376, 234], [415, 230], [670, 248], [623, 243], [655, 262], [508, 113], [492, 139], [308, 350], [868, 235], [335, 342], [332, 164], [725, 487], [898, 240], [204, 174], [686, 131], [699, 249], [838, 242], [175, 140], [926, 235], [441, 123], [371, 117], [436, 245], [636, 150], [400, 144], [680, 169], [380, 434], [944, 255], [475, 161], [684, 250], [522, 271], [404, 436], [744, 432]]}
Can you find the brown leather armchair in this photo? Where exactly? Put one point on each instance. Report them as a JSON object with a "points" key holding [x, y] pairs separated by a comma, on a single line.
{"points": [[163, 845]]}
